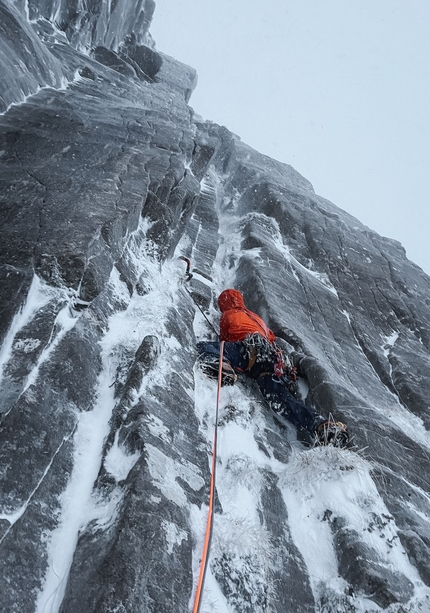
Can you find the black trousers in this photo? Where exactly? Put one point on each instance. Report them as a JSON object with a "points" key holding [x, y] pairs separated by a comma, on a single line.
{"points": [[273, 389]]}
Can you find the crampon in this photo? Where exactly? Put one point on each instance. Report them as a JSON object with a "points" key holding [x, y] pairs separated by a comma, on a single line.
{"points": [[209, 365], [331, 432]]}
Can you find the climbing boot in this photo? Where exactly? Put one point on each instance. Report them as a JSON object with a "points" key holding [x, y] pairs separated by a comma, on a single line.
{"points": [[332, 433], [209, 365]]}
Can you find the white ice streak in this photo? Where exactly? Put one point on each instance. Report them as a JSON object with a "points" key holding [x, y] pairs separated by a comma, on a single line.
{"points": [[38, 296], [118, 462], [144, 315], [389, 342], [347, 315], [75, 501], [174, 535], [165, 471], [64, 322], [324, 483], [229, 250], [321, 277], [64, 84]]}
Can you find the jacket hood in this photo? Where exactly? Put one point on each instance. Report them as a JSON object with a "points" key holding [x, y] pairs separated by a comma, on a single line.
{"points": [[230, 299]]}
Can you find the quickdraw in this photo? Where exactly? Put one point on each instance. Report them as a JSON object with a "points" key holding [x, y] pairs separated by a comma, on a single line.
{"points": [[187, 278]]}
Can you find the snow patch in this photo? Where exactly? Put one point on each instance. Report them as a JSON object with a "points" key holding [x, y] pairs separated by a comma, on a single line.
{"points": [[389, 342], [27, 345], [165, 470], [38, 296], [158, 429], [325, 483], [174, 535], [118, 462]]}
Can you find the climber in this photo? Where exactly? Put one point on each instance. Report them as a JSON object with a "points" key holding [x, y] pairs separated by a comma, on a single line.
{"points": [[250, 349]]}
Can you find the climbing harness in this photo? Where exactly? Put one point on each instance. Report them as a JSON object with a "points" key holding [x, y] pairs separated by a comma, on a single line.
{"points": [[208, 535], [187, 278], [259, 350]]}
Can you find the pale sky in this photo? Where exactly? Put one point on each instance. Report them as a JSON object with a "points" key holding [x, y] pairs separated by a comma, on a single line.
{"points": [[339, 89]]}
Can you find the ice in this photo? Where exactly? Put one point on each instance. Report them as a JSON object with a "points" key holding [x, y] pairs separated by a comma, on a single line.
{"points": [[117, 462], [326, 482], [92, 429], [389, 342], [174, 535], [38, 296], [64, 322], [143, 315], [164, 471]]}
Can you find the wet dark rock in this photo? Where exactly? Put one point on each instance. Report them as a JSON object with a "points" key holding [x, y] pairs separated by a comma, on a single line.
{"points": [[147, 60], [106, 177], [417, 547], [291, 590], [37, 67], [360, 567], [112, 60]]}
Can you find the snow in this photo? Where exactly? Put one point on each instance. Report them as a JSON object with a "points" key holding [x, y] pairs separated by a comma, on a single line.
{"points": [[389, 342], [64, 322], [91, 431], [142, 316], [38, 296], [12, 518], [317, 485], [118, 462], [165, 470], [237, 532], [324, 483], [174, 535]]}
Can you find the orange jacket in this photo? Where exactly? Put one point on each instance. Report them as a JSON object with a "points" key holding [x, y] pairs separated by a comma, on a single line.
{"points": [[236, 321]]}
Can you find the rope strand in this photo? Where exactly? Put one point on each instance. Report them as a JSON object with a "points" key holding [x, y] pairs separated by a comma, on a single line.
{"points": [[208, 535]]}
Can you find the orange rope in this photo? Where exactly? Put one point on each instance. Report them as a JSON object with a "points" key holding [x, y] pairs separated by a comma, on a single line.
{"points": [[208, 535]]}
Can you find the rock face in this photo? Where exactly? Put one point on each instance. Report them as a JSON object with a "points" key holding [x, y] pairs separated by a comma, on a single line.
{"points": [[107, 176]]}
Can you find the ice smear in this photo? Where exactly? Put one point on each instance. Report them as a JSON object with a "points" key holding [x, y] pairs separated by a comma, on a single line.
{"points": [[323, 483], [64, 322], [38, 296], [347, 315], [174, 535], [272, 227], [12, 518], [389, 342], [165, 470], [126, 329], [118, 462]]}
